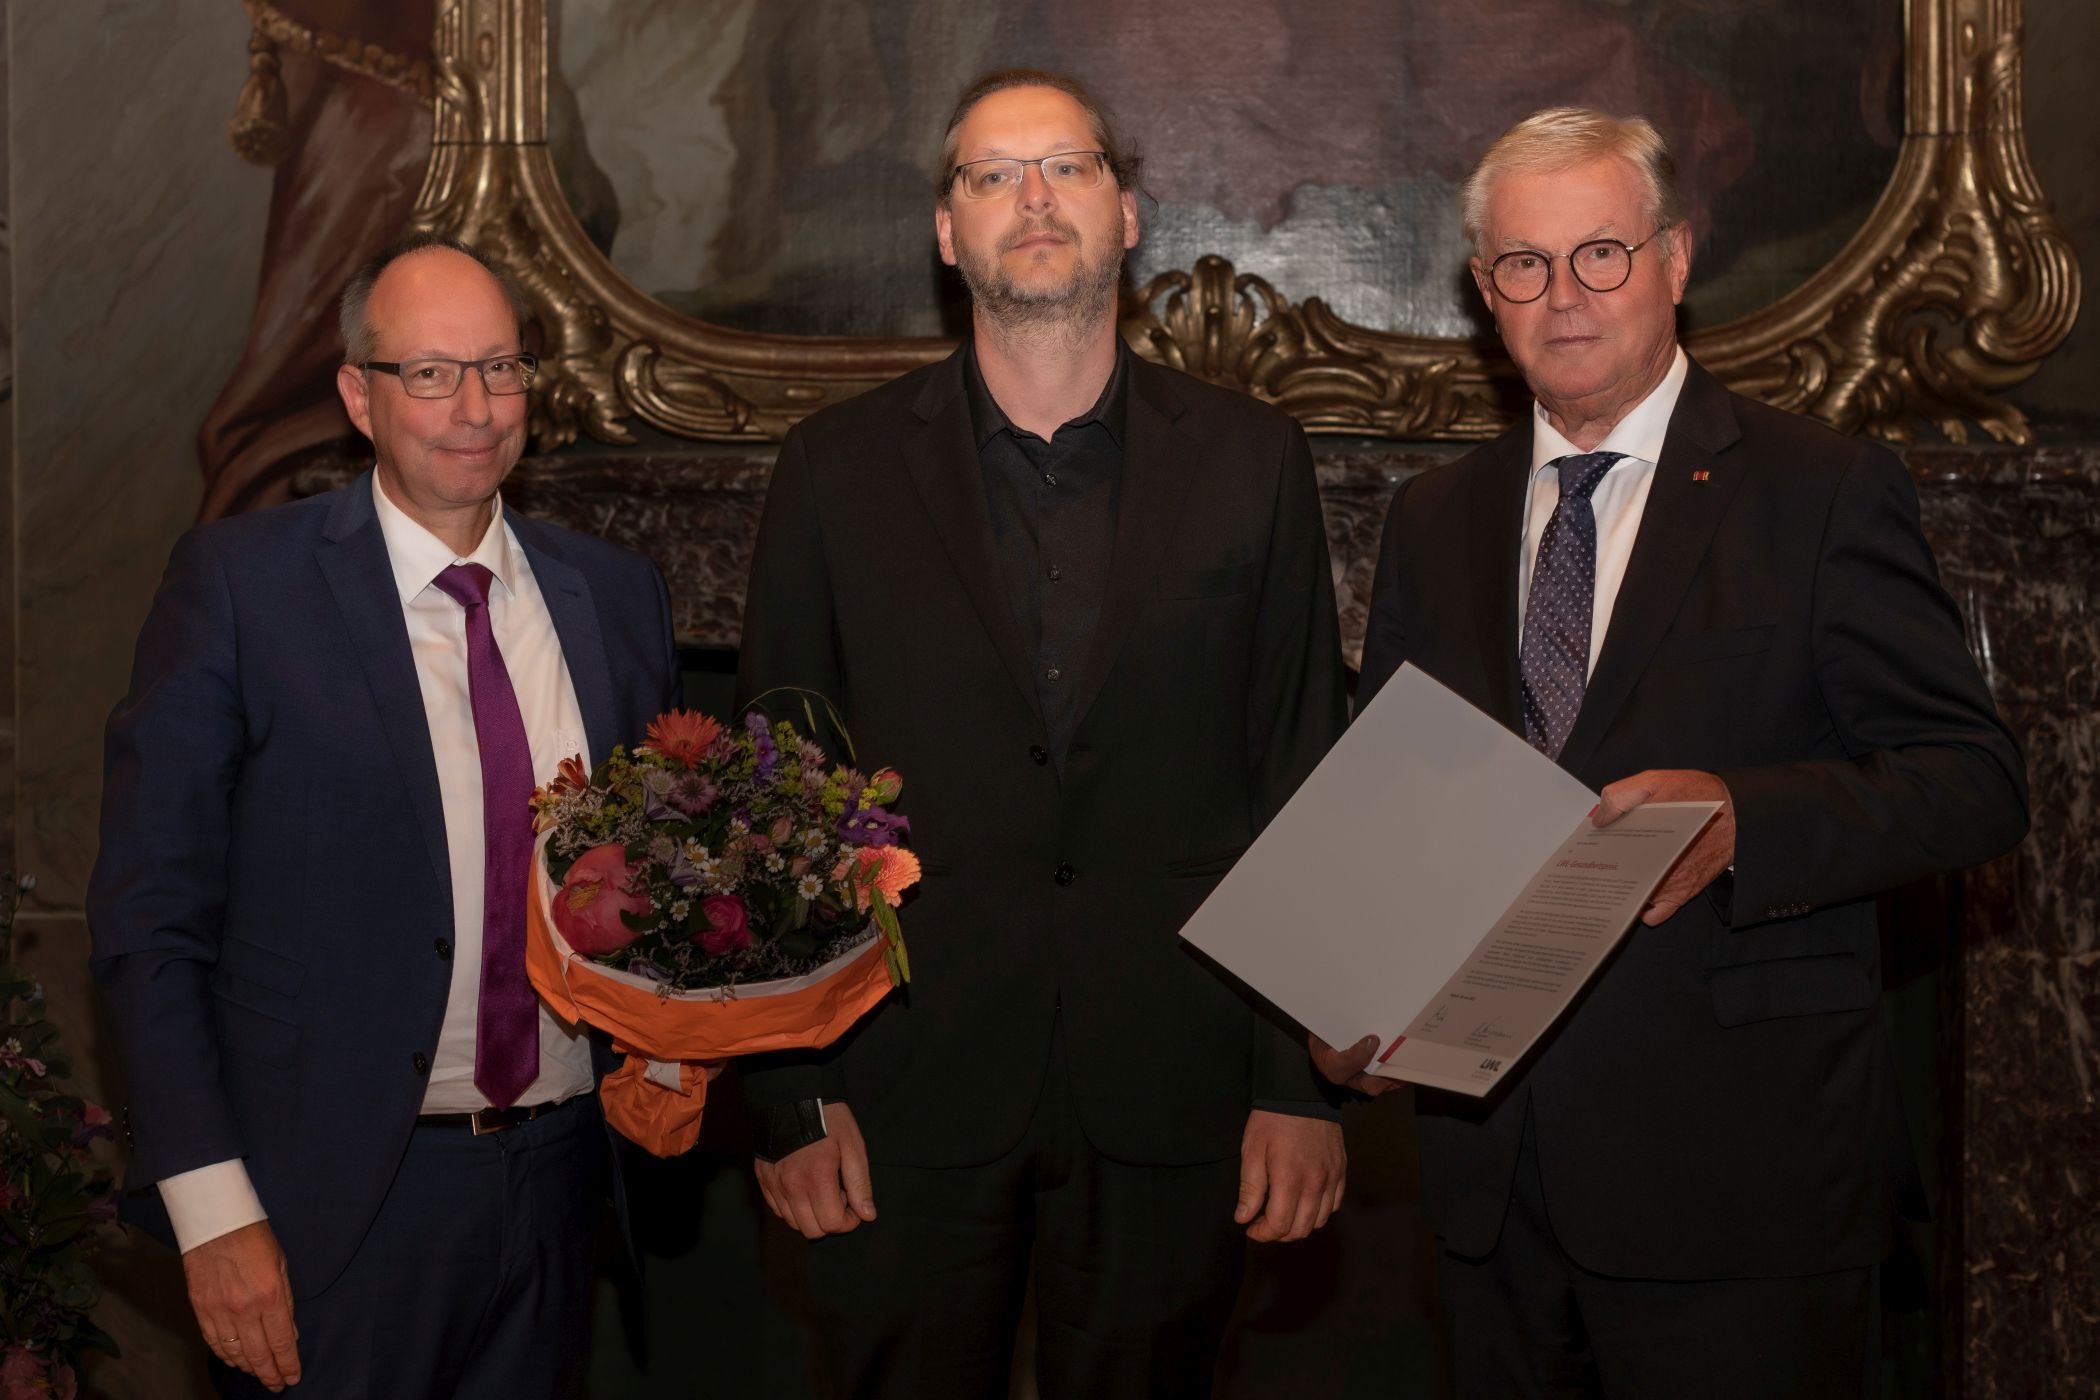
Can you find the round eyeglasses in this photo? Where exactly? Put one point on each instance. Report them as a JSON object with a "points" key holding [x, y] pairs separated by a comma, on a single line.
{"points": [[1601, 265], [1067, 170], [440, 379]]}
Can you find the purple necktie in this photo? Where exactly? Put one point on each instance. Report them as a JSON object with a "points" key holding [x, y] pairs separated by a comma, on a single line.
{"points": [[1555, 653], [507, 1026]]}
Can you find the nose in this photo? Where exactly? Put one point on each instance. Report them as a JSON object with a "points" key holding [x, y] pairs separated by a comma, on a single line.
{"points": [[1036, 196], [470, 404], [1565, 291]]}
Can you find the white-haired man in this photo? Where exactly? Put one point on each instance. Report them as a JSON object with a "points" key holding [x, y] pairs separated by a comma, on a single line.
{"points": [[1678, 593]]}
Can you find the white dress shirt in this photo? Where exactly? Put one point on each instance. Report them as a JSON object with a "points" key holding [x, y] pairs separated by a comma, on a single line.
{"points": [[213, 1200], [1618, 501]]}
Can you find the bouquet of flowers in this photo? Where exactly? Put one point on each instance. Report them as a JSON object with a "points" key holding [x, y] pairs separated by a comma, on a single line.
{"points": [[719, 891]]}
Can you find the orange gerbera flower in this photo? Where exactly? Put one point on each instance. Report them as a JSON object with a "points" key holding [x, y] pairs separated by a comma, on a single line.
{"points": [[682, 735], [899, 872], [885, 870]]}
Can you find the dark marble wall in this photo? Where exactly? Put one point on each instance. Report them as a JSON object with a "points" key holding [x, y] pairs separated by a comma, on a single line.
{"points": [[2019, 543]]}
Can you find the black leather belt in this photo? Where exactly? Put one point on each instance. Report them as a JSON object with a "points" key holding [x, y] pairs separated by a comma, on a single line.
{"points": [[491, 1120]]}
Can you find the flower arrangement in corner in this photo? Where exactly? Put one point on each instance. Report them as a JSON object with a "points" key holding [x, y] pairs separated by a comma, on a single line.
{"points": [[720, 891], [53, 1194]]}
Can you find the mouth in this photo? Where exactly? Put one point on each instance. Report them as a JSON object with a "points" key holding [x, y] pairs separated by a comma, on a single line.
{"points": [[1573, 342], [1039, 240], [473, 453]]}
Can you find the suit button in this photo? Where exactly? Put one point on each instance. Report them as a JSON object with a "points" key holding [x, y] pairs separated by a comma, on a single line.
{"points": [[421, 1062], [444, 950], [1040, 754], [1064, 873]]}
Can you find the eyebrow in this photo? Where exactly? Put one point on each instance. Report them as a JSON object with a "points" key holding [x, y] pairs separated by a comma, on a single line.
{"points": [[1001, 153], [1518, 245]]}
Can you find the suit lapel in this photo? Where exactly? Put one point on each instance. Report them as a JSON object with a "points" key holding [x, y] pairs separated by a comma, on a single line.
{"points": [[353, 559], [942, 459], [1159, 462], [1497, 528], [570, 604], [1677, 525]]}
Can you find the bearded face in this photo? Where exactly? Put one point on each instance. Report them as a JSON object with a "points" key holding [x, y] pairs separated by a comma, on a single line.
{"points": [[1034, 254]]}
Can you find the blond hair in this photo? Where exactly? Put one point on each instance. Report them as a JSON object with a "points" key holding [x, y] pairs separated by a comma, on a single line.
{"points": [[1560, 137]]}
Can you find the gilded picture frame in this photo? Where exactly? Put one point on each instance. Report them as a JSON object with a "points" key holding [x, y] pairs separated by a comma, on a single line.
{"points": [[1953, 289]]}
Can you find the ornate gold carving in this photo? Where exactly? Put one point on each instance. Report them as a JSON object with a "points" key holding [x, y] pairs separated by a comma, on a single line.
{"points": [[1233, 328], [1957, 286], [1953, 290]]}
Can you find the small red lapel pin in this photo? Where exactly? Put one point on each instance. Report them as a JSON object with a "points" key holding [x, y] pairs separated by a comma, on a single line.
{"points": [[1702, 476]]}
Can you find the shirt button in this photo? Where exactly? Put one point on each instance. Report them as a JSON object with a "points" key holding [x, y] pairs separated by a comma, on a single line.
{"points": [[444, 950], [1064, 873], [1040, 754], [421, 1062], [1049, 478], [1051, 673], [1056, 573]]}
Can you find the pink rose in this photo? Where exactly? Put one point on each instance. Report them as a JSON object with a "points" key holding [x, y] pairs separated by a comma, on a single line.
{"points": [[599, 887], [728, 925]]}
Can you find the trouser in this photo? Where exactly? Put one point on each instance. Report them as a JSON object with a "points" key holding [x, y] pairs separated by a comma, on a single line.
{"points": [[1136, 1269], [1527, 1320], [474, 1280]]}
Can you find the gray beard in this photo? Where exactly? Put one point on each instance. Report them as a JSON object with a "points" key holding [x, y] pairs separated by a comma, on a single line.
{"points": [[1066, 316]]}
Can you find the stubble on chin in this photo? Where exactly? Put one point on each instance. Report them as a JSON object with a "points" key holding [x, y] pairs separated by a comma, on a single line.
{"points": [[1069, 309]]}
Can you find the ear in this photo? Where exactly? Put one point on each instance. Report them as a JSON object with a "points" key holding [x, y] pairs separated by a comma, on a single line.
{"points": [[1483, 281], [350, 382], [944, 231], [1679, 263], [1130, 218]]}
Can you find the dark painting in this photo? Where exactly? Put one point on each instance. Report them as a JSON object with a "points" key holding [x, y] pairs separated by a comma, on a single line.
{"points": [[770, 165]]}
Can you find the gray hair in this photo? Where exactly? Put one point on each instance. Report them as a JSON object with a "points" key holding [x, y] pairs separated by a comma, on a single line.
{"points": [[1560, 137], [360, 337]]}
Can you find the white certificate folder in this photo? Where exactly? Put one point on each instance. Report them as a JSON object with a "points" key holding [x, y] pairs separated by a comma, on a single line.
{"points": [[1437, 883]]}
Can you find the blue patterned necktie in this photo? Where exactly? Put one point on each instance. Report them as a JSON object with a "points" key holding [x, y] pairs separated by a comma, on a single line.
{"points": [[1555, 654]]}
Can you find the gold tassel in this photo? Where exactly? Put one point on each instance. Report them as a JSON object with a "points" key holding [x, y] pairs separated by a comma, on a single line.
{"points": [[258, 130]]}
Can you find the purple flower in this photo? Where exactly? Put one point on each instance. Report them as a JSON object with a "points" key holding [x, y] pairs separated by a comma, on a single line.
{"points": [[683, 872], [693, 794], [872, 826], [763, 748], [657, 802]]}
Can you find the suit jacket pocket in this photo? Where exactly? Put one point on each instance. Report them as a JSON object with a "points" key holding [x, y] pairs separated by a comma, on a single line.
{"points": [[1204, 583], [265, 967], [249, 1030], [1804, 986], [1214, 865], [1685, 648]]}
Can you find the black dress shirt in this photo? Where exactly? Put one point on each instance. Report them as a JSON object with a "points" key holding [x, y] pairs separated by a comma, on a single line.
{"points": [[1053, 509]]}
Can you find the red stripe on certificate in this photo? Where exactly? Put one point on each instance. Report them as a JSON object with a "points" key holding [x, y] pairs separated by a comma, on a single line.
{"points": [[1397, 1040]]}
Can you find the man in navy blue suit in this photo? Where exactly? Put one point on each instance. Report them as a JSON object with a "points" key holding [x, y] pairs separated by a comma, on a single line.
{"points": [[378, 1153]]}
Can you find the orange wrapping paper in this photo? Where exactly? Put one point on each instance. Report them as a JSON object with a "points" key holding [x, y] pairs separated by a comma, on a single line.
{"points": [[682, 1028]]}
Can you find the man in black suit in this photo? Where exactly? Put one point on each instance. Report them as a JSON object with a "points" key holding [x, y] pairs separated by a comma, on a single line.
{"points": [[1682, 594], [1083, 604]]}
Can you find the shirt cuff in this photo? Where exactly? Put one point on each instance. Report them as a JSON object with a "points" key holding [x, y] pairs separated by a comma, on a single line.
{"points": [[1301, 1108], [209, 1202]]}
